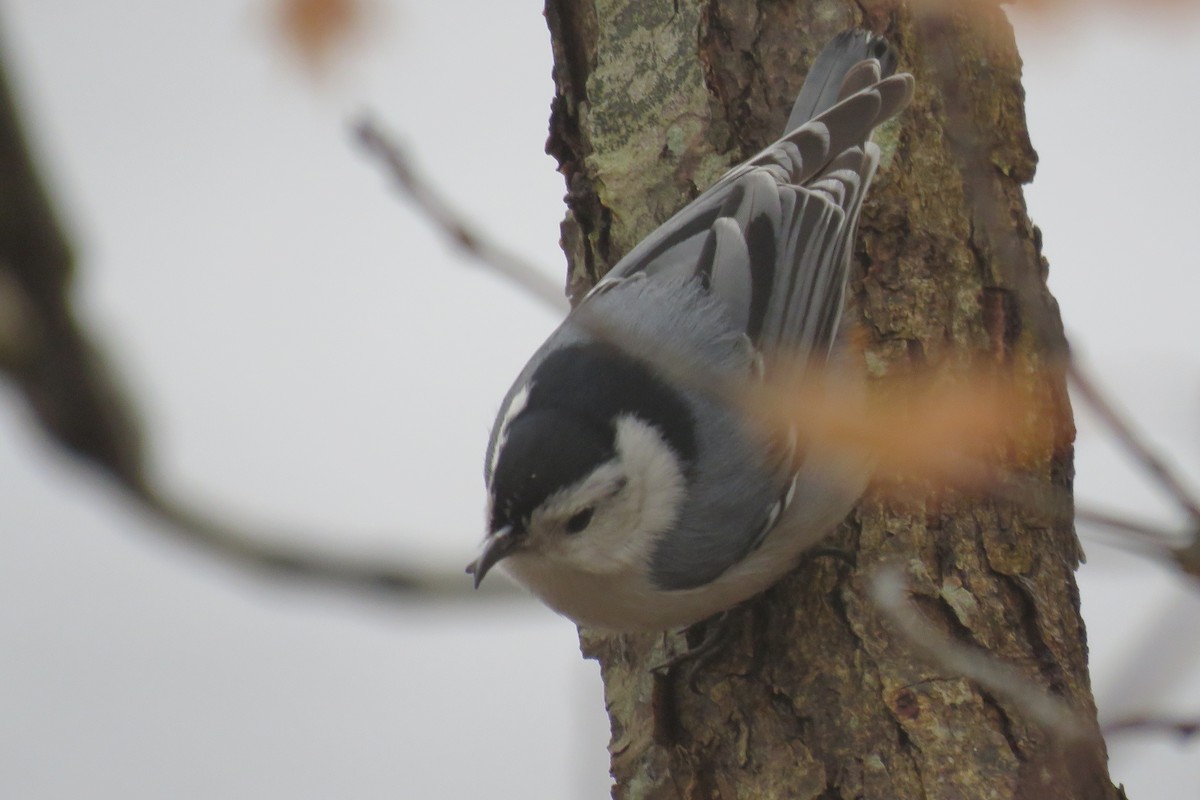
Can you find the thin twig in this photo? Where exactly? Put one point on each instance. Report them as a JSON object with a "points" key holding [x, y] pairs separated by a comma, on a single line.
{"points": [[82, 404], [1134, 443], [1182, 728], [452, 223], [278, 555], [1144, 539], [1152, 536], [888, 591]]}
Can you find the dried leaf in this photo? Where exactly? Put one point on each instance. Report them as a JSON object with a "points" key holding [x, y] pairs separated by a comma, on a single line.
{"points": [[317, 29]]}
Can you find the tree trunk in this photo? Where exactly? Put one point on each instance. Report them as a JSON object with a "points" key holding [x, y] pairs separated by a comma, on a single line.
{"points": [[820, 696]]}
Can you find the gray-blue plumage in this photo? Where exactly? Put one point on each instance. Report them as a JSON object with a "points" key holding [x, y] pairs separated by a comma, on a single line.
{"points": [[748, 278]]}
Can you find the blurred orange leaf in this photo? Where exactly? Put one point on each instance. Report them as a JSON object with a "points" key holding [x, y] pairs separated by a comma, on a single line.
{"points": [[316, 29], [924, 426]]}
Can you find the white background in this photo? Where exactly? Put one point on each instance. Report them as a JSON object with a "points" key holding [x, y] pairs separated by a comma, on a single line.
{"points": [[306, 351]]}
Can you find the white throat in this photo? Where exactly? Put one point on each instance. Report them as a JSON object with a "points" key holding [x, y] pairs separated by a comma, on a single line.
{"points": [[656, 481]]}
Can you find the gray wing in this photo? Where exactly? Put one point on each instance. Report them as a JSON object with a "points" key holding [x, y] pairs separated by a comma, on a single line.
{"points": [[772, 238]]}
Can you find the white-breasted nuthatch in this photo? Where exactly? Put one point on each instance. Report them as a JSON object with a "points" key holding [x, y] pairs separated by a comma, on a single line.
{"points": [[624, 494]]}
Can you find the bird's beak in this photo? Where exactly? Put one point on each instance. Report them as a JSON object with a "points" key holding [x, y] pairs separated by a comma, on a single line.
{"points": [[497, 546]]}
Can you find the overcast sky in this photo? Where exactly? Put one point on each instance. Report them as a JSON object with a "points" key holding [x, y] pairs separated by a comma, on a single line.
{"points": [[305, 350]]}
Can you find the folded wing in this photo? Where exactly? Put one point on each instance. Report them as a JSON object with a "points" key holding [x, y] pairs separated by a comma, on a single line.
{"points": [[773, 237]]}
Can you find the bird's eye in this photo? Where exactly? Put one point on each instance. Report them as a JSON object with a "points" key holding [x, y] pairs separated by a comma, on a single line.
{"points": [[580, 520]]}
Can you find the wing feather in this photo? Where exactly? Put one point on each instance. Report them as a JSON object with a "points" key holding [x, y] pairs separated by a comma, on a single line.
{"points": [[726, 264], [772, 238], [772, 241]]}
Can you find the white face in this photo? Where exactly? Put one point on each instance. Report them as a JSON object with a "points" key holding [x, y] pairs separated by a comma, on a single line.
{"points": [[608, 522]]}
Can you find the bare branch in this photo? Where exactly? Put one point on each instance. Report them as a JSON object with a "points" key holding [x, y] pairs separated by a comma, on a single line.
{"points": [[277, 555], [82, 405], [1134, 443], [1185, 555], [888, 591], [1149, 534], [452, 223], [1182, 728]]}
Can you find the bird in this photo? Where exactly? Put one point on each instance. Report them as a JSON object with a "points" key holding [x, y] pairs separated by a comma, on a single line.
{"points": [[625, 488]]}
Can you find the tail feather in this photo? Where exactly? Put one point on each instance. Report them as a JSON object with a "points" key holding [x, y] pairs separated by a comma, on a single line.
{"points": [[836, 65]]}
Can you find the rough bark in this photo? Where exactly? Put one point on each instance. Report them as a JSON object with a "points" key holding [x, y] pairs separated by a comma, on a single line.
{"points": [[820, 697]]}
